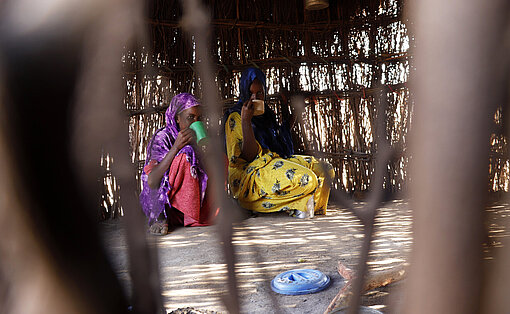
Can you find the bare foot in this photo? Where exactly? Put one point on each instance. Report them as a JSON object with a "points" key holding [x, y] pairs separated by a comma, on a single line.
{"points": [[159, 228]]}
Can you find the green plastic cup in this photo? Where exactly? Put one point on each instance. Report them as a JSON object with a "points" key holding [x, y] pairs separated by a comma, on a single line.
{"points": [[200, 131]]}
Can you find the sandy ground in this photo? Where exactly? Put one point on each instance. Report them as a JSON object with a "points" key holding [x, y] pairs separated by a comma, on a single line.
{"points": [[193, 272]]}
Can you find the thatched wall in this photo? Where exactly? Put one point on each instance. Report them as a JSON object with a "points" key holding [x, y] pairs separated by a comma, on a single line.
{"points": [[339, 59]]}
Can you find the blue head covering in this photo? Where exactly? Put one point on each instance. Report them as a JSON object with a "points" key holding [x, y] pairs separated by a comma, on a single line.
{"points": [[268, 133], [247, 77]]}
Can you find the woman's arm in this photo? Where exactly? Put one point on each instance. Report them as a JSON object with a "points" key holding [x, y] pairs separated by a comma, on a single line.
{"points": [[183, 138], [249, 148]]}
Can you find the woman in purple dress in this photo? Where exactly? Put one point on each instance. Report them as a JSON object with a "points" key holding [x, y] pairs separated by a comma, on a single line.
{"points": [[174, 181]]}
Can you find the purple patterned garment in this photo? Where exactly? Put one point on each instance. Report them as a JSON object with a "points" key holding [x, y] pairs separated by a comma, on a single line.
{"points": [[154, 201]]}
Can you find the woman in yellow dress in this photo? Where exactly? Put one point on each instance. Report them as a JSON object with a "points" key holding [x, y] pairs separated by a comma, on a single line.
{"points": [[263, 172]]}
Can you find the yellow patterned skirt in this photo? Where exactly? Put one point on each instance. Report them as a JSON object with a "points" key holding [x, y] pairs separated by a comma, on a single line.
{"points": [[270, 183]]}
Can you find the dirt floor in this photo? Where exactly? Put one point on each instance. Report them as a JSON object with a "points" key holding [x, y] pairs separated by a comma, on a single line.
{"points": [[193, 272]]}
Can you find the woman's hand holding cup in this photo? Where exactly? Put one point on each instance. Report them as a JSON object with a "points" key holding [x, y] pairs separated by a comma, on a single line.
{"points": [[248, 110], [252, 107], [184, 137]]}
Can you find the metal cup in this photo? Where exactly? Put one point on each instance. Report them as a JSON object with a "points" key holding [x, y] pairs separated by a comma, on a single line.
{"points": [[258, 107], [200, 131]]}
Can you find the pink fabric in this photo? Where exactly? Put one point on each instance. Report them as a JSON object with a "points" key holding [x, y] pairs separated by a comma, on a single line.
{"points": [[148, 168], [185, 195]]}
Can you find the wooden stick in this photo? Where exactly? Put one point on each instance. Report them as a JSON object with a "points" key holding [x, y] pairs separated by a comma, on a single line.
{"points": [[373, 280], [308, 27], [281, 61]]}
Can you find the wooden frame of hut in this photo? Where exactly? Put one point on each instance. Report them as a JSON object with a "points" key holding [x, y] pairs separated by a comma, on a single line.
{"points": [[339, 59]]}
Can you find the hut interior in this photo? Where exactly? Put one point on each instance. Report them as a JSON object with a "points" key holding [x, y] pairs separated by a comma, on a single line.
{"points": [[353, 63], [340, 59]]}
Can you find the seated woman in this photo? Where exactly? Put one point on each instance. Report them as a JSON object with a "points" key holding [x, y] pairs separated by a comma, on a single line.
{"points": [[263, 173], [174, 181]]}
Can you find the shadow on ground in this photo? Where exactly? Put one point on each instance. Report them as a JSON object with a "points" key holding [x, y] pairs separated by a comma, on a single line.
{"points": [[193, 273]]}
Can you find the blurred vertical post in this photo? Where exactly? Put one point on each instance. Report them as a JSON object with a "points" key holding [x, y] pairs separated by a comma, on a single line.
{"points": [[61, 64], [100, 120], [196, 21], [456, 84], [495, 295], [60, 253]]}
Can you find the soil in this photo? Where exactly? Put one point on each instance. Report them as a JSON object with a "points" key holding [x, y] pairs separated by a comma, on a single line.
{"points": [[193, 273]]}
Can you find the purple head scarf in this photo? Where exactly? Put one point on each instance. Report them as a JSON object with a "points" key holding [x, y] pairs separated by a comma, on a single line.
{"points": [[154, 200]]}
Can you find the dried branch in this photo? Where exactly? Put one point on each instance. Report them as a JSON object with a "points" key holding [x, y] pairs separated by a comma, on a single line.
{"points": [[374, 280]]}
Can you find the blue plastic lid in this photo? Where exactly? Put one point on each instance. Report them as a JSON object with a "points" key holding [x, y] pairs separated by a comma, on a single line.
{"points": [[300, 281], [362, 310]]}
